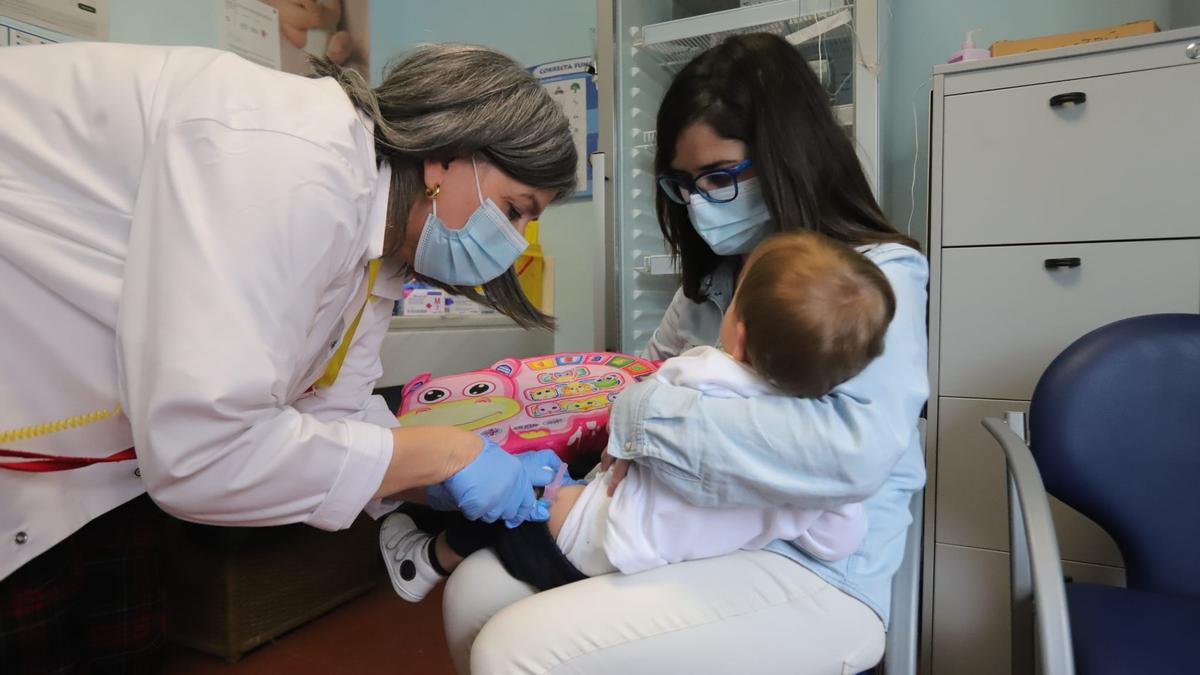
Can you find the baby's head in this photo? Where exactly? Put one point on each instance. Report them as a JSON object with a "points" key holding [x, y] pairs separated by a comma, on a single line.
{"points": [[809, 313]]}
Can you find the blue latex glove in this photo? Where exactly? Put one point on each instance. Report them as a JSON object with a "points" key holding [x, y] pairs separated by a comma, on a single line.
{"points": [[567, 480], [541, 465], [438, 498], [497, 486]]}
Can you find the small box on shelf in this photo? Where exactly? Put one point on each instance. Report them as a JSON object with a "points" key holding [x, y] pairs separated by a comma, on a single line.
{"points": [[1006, 47], [458, 305], [421, 300]]}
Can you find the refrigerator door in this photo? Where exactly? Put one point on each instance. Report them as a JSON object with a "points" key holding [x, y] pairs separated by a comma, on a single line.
{"points": [[653, 40]]}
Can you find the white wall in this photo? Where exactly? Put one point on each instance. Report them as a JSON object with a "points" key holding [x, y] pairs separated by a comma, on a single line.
{"points": [[1185, 13]]}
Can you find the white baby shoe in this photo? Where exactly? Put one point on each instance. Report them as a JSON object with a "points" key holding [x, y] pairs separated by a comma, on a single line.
{"points": [[405, 550]]}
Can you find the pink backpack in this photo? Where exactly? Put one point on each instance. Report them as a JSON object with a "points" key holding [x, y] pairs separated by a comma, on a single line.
{"points": [[559, 401]]}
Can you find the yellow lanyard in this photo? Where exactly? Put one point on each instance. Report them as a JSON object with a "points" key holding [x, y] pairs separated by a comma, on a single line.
{"points": [[335, 363], [33, 431]]}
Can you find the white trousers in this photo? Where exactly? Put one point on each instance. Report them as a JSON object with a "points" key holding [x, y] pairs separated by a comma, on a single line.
{"points": [[747, 612]]}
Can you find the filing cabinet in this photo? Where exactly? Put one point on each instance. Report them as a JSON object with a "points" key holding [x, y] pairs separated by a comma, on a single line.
{"points": [[1065, 194]]}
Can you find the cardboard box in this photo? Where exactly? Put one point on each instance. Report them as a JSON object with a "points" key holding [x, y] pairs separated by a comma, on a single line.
{"points": [[461, 305], [424, 301], [1006, 47]]}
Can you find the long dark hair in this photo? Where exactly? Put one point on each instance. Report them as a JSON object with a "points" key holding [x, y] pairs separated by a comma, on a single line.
{"points": [[758, 89]]}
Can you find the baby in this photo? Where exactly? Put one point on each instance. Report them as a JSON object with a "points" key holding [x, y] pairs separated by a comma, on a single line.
{"points": [[808, 314]]}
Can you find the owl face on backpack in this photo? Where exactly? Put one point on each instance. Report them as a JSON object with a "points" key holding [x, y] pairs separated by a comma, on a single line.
{"points": [[559, 401], [479, 401]]}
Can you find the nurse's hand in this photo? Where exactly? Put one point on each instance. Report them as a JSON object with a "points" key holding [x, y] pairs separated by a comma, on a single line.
{"points": [[496, 486], [437, 497], [540, 465]]}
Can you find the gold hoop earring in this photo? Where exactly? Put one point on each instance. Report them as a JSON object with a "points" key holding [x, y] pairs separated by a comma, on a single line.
{"points": [[434, 191]]}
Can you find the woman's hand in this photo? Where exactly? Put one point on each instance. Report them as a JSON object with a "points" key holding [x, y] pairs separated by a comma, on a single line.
{"points": [[617, 469], [498, 486], [541, 465], [425, 455]]}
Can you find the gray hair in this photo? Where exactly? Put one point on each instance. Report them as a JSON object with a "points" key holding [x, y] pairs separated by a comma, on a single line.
{"points": [[444, 101]]}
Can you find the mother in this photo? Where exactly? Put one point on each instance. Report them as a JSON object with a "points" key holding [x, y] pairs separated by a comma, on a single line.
{"points": [[748, 115]]}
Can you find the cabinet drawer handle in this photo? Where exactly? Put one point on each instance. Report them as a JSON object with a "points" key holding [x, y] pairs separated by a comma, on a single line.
{"points": [[1072, 97], [1062, 263]]}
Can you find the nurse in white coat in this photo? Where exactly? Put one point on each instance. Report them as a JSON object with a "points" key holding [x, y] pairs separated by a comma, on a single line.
{"points": [[198, 261]]}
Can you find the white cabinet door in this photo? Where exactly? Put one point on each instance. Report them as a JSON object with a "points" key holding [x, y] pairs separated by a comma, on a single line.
{"points": [[1005, 316], [972, 488], [1120, 165], [972, 617]]}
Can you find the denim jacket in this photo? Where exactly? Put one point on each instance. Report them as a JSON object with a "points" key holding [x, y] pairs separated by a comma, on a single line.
{"points": [[859, 443]]}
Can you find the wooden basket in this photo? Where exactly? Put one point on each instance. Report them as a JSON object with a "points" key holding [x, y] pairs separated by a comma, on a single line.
{"points": [[230, 589]]}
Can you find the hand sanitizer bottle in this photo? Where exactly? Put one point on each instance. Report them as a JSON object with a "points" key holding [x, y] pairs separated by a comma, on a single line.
{"points": [[969, 51]]}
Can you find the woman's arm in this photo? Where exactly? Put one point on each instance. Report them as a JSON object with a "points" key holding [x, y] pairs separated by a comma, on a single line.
{"points": [[776, 450], [235, 240], [668, 340], [427, 455], [421, 456]]}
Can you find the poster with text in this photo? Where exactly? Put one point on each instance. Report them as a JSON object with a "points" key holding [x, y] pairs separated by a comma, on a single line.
{"points": [[250, 29], [571, 84]]}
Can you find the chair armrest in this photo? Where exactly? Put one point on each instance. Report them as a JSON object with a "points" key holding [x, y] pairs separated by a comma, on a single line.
{"points": [[1050, 602], [900, 653]]}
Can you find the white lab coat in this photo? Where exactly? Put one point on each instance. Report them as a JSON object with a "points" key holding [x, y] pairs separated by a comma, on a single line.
{"points": [[186, 234]]}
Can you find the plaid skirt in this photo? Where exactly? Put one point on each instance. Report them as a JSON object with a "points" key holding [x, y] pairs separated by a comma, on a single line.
{"points": [[93, 603]]}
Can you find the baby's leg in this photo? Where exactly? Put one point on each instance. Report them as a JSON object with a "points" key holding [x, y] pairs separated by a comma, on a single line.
{"points": [[563, 503], [454, 545], [446, 556], [417, 561]]}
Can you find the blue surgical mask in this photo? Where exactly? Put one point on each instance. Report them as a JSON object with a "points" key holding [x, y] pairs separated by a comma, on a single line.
{"points": [[480, 251], [734, 227]]}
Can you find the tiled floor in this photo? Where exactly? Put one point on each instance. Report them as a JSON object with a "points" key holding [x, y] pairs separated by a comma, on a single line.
{"points": [[376, 633]]}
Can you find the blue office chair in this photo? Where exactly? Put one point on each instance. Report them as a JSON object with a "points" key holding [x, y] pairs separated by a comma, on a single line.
{"points": [[1114, 429]]}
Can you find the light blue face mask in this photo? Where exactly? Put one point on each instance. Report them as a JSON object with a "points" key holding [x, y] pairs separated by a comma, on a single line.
{"points": [[734, 227], [480, 251]]}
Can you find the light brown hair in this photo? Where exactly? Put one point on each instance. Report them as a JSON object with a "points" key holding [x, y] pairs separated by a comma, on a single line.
{"points": [[815, 312]]}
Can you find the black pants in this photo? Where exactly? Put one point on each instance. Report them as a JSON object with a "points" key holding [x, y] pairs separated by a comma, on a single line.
{"points": [[93, 603], [528, 551]]}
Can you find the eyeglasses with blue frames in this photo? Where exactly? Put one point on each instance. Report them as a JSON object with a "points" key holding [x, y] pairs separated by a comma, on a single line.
{"points": [[717, 186]]}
